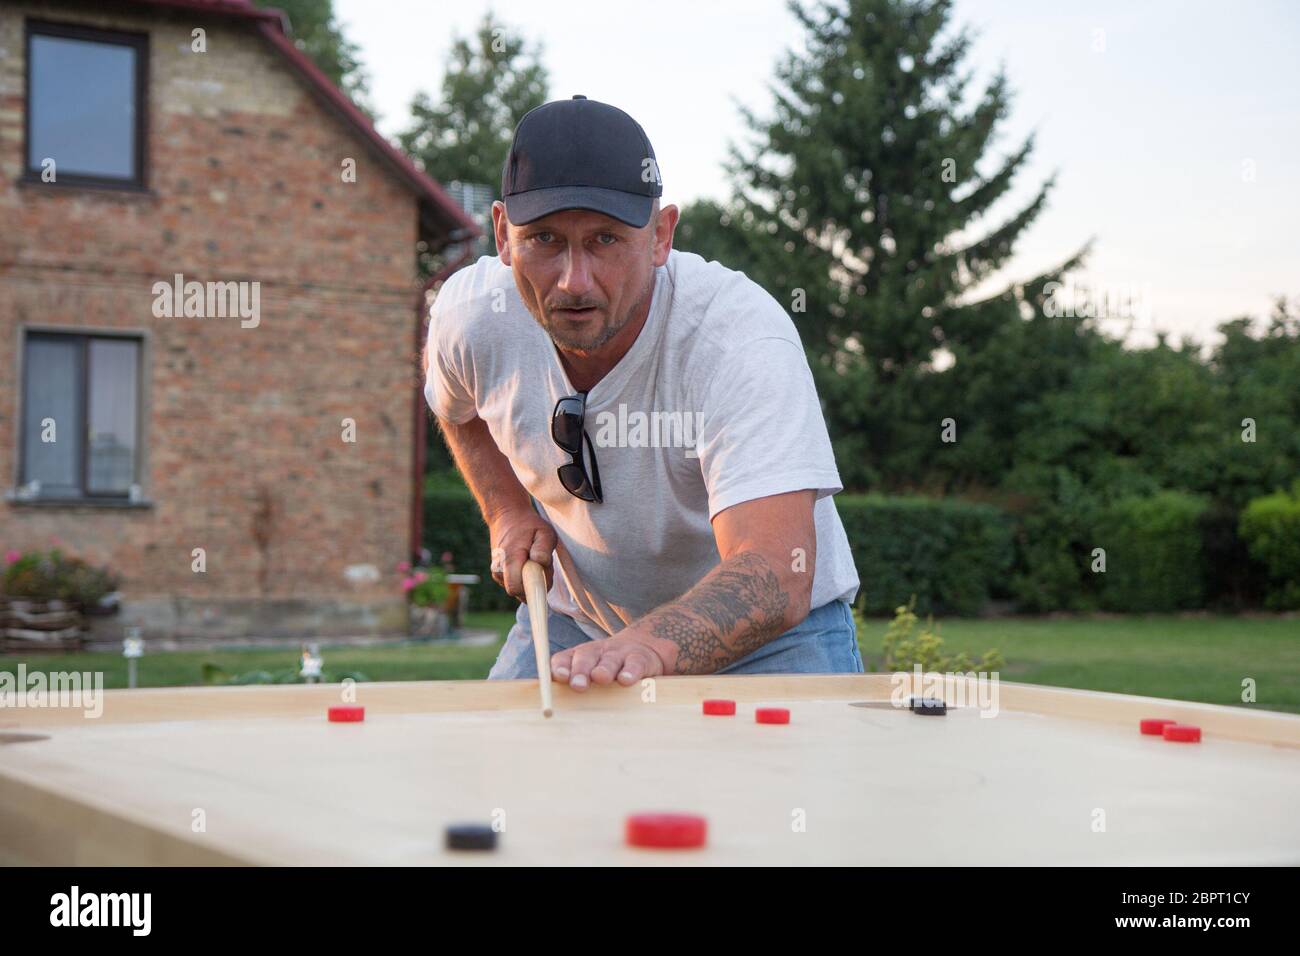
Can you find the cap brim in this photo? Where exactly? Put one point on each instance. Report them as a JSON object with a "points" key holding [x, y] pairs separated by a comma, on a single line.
{"points": [[628, 208]]}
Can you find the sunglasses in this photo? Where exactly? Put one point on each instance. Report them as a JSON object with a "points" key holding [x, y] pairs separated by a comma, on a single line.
{"points": [[567, 431]]}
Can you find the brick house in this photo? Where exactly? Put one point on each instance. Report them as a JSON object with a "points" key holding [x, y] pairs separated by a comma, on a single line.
{"points": [[209, 318]]}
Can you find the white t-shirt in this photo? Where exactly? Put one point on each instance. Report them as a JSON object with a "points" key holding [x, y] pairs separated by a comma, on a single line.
{"points": [[713, 405]]}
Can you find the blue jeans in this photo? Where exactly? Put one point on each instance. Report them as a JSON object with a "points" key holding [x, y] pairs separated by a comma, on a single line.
{"points": [[825, 642]]}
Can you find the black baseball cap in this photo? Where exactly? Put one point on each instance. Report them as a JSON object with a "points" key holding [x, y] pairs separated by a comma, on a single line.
{"points": [[580, 154]]}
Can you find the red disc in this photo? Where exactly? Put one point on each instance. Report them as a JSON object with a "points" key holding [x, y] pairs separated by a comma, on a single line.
{"points": [[720, 708], [1155, 726], [674, 831], [346, 715], [1183, 733], [772, 715]]}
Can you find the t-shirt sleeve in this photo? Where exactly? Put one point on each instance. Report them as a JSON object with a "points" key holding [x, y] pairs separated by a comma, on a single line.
{"points": [[447, 387], [762, 431]]}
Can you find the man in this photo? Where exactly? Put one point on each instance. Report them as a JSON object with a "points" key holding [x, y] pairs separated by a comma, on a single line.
{"points": [[647, 418]]}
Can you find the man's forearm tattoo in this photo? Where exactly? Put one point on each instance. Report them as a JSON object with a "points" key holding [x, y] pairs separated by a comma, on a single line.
{"points": [[736, 609]]}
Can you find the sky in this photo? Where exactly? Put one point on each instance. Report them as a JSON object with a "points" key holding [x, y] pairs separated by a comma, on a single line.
{"points": [[1173, 126]]}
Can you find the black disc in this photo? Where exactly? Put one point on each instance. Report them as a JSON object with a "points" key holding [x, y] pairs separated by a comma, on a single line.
{"points": [[471, 836]]}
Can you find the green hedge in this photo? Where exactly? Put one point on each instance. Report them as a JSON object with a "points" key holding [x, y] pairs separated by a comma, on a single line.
{"points": [[452, 523], [1053, 544], [956, 556], [953, 555], [1270, 526], [1154, 556]]}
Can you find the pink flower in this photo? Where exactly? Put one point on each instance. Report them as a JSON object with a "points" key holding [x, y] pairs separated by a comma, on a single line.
{"points": [[409, 583], [446, 557], [404, 567], [421, 577], [11, 556]]}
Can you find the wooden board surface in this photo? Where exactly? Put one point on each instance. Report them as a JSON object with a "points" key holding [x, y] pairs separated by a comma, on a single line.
{"points": [[873, 785]]}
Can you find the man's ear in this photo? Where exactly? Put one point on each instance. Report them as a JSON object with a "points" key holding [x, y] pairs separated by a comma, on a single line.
{"points": [[501, 230], [665, 226]]}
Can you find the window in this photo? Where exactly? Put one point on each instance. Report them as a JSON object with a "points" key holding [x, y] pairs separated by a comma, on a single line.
{"points": [[81, 414], [85, 104]]}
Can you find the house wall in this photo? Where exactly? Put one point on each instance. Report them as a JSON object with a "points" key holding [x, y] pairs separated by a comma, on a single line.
{"points": [[241, 426]]}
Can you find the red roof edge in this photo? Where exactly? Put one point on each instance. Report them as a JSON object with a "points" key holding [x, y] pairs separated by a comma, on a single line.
{"points": [[271, 24], [234, 8]]}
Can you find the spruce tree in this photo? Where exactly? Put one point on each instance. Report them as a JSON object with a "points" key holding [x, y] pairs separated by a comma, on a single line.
{"points": [[863, 206]]}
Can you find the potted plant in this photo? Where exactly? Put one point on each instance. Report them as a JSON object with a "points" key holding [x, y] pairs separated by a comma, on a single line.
{"points": [[426, 592], [48, 594]]}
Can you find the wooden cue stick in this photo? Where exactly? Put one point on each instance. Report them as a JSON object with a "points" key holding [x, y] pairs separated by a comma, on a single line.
{"points": [[538, 612]]}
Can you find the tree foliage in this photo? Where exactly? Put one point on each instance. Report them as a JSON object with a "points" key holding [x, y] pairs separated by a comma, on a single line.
{"points": [[493, 79], [873, 205]]}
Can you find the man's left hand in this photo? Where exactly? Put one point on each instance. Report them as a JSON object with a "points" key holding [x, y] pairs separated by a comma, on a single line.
{"points": [[626, 657]]}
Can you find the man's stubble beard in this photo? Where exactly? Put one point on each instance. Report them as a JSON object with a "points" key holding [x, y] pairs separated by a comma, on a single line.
{"points": [[611, 328], [568, 343]]}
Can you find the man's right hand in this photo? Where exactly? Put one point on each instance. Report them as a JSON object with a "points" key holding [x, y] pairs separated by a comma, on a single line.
{"points": [[519, 536]]}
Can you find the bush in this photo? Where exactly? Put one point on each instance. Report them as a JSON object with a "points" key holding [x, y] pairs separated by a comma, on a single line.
{"points": [[1052, 562], [452, 523], [1055, 516], [1154, 558], [903, 649], [55, 576], [1233, 581], [1270, 526], [954, 556]]}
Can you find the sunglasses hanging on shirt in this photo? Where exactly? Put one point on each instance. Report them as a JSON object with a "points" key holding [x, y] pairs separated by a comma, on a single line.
{"points": [[568, 433]]}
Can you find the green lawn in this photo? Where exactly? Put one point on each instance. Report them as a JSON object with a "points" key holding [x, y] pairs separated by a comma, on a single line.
{"points": [[1190, 658], [413, 661]]}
